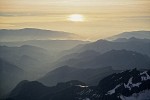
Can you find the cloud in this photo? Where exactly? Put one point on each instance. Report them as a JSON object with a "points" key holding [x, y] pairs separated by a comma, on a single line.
{"points": [[16, 14]]}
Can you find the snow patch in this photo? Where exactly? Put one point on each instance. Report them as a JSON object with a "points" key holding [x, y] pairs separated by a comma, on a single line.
{"points": [[113, 90], [130, 85], [144, 76]]}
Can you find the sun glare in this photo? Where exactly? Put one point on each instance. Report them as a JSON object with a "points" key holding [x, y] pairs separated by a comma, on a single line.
{"points": [[76, 18]]}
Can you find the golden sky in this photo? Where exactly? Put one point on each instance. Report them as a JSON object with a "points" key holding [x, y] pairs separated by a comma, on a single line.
{"points": [[103, 18]]}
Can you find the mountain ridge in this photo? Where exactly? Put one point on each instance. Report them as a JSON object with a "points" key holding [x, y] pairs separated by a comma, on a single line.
{"points": [[33, 34], [66, 73], [9, 73], [137, 34], [115, 58], [131, 81]]}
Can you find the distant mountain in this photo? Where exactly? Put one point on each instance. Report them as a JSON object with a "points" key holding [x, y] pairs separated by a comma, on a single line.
{"points": [[54, 46], [29, 58], [136, 34], [74, 58], [118, 59], [102, 46], [89, 54], [65, 73], [10, 75], [132, 39], [127, 85], [7, 35]]}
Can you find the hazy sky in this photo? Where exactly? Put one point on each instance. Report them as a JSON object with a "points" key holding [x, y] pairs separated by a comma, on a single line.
{"points": [[103, 18]]}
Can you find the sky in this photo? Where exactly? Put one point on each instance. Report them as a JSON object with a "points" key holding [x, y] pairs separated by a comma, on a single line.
{"points": [[102, 18]]}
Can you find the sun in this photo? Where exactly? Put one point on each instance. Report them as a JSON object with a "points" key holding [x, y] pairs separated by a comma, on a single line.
{"points": [[76, 18]]}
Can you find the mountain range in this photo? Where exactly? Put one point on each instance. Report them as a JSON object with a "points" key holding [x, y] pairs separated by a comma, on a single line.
{"points": [[9, 35], [63, 74], [102, 46], [26, 57], [73, 69], [135, 34], [126, 85], [10, 75], [117, 59], [53, 46]]}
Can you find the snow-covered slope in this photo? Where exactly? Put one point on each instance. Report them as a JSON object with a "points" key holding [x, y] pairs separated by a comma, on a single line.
{"points": [[127, 85]]}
